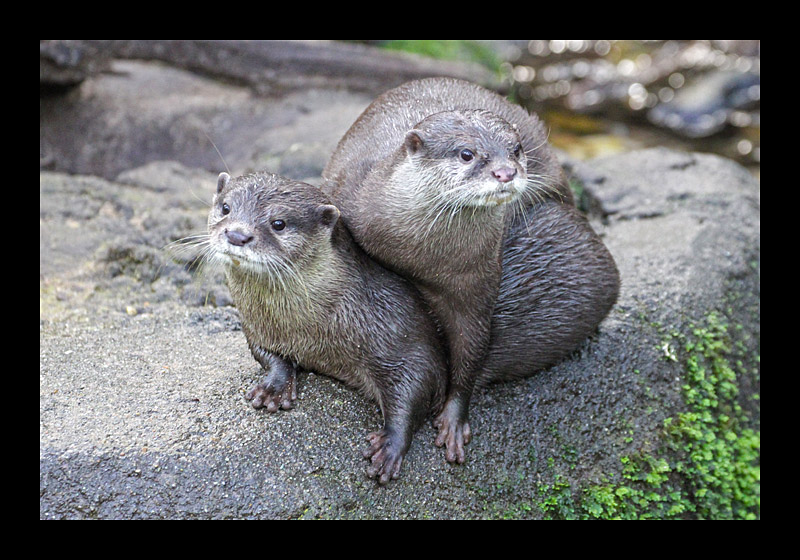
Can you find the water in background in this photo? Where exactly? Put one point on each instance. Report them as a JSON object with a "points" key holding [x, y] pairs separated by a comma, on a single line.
{"points": [[602, 97]]}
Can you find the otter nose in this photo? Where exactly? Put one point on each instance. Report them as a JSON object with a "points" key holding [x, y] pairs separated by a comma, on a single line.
{"points": [[504, 174], [236, 237]]}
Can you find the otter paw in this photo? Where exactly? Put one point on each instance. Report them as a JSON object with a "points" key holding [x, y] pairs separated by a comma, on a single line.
{"points": [[385, 455], [273, 396], [454, 434]]}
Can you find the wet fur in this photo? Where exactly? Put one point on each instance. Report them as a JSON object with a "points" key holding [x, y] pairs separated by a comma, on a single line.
{"points": [[310, 297], [558, 283]]}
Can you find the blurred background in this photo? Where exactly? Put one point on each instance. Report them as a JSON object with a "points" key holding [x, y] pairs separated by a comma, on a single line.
{"points": [[601, 97], [598, 97]]}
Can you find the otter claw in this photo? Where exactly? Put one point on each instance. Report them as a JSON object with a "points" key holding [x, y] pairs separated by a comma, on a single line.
{"points": [[273, 396], [454, 435], [385, 457]]}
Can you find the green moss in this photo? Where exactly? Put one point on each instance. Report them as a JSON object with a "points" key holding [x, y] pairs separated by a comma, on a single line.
{"points": [[706, 464], [556, 500]]}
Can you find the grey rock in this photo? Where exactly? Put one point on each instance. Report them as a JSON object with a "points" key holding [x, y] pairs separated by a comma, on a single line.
{"points": [[64, 64], [277, 66], [146, 112]]}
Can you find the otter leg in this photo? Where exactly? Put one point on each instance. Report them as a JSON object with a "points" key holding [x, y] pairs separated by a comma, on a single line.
{"points": [[404, 405], [467, 349], [279, 388]]}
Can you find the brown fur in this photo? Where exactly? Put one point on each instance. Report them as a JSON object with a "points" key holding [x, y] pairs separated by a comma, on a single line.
{"points": [[310, 298]]}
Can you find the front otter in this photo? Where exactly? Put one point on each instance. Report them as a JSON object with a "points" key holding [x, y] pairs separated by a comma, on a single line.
{"points": [[431, 179], [310, 298]]}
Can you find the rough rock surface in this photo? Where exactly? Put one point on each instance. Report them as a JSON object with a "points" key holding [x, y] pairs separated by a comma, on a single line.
{"points": [[143, 365]]}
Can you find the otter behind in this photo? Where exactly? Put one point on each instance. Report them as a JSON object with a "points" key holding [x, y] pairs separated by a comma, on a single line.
{"points": [[430, 180], [309, 298]]}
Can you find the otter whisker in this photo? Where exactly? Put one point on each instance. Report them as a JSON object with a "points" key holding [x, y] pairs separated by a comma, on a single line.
{"points": [[196, 247]]}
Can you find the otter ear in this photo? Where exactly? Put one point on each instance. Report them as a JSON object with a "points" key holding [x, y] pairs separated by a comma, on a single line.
{"points": [[328, 215], [222, 181], [413, 141]]}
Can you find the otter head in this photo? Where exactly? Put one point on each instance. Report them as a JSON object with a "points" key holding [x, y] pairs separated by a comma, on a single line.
{"points": [[268, 225], [475, 158]]}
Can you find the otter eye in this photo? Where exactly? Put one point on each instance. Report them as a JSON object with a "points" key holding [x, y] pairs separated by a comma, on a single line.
{"points": [[517, 150], [466, 155], [226, 209], [278, 225]]}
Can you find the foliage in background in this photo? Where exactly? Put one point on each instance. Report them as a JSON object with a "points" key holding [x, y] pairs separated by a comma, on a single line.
{"points": [[473, 51]]}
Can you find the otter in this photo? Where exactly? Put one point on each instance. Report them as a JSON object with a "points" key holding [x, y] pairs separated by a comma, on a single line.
{"points": [[456, 189], [309, 298]]}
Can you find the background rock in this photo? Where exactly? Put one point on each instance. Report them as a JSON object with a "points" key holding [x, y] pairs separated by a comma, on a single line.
{"points": [[143, 365], [63, 64]]}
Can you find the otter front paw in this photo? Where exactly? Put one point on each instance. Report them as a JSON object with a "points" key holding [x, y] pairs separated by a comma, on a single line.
{"points": [[279, 388], [454, 433], [274, 392], [386, 456]]}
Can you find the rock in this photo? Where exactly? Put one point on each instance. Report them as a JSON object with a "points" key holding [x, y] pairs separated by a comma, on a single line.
{"points": [[143, 416], [669, 224], [146, 112], [64, 64], [273, 67]]}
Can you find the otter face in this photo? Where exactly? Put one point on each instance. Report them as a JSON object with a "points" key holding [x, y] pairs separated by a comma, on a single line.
{"points": [[268, 225], [475, 158]]}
